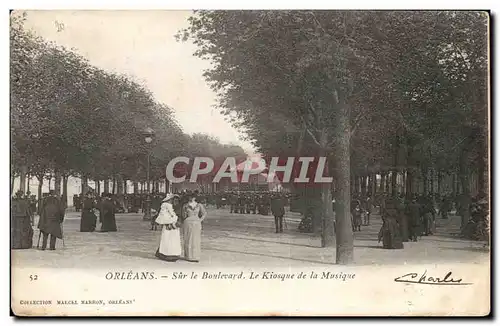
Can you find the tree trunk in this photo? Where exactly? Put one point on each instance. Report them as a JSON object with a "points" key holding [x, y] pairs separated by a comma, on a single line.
{"points": [[328, 222], [98, 186], [65, 190], [85, 185], [12, 179], [454, 183], [343, 227], [356, 184], [394, 177], [125, 187], [119, 184], [40, 185], [386, 182], [403, 186], [409, 183], [426, 181], [57, 182], [106, 186], [114, 185], [464, 180], [483, 174], [373, 184], [369, 184], [119, 189], [439, 182], [28, 178], [22, 177], [313, 207], [382, 182], [433, 175], [136, 187]]}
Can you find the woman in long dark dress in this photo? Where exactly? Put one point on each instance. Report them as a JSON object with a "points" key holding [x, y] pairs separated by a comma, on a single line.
{"points": [[390, 232], [21, 229], [89, 219], [107, 215]]}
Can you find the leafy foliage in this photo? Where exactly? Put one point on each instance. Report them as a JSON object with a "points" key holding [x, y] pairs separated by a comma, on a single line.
{"points": [[70, 116]]}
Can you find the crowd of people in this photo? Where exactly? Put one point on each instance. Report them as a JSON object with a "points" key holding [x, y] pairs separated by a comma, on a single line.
{"points": [[251, 202], [23, 209], [408, 219], [404, 219]]}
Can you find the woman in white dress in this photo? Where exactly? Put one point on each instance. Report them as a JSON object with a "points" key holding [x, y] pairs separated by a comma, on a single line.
{"points": [[170, 243]]}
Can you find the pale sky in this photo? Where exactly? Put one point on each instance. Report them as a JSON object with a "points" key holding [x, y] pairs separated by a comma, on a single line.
{"points": [[142, 44]]}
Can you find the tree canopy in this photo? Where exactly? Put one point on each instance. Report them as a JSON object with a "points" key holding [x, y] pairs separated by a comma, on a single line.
{"points": [[71, 117], [373, 91]]}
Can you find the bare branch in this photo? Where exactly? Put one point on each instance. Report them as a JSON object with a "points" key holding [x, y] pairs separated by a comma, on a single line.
{"points": [[310, 132], [357, 121], [313, 110], [317, 22], [407, 127]]}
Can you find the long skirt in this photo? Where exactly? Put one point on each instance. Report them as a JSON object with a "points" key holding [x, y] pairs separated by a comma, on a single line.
{"points": [[170, 245], [391, 235], [108, 223], [192, 239], [88, 222], [21, 232]]}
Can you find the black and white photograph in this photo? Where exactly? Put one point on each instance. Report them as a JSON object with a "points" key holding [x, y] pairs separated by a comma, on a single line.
{"points": [[250, 162]]}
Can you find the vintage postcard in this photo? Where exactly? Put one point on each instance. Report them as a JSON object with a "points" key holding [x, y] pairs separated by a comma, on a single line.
{"points": [[250, 163]]}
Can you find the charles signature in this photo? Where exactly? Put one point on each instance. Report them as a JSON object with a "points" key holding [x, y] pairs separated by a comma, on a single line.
{"points": [[431, 280]]}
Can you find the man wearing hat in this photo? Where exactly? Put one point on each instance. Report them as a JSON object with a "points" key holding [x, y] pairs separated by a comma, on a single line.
{"points": [[21, 230], [278, 210], [51, 217]]}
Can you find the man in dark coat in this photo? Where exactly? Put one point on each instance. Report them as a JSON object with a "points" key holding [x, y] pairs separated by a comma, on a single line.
{"points": [[88, 220], [445, 207], [356, 212], [107, 216], [51, 217], [428, 215], [278, 210], [233, 200], [241, 204], [33, 207], [413, 211], [76, 202], [21, 230]]}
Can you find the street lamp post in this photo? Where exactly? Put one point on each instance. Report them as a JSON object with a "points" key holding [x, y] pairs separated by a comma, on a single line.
{"points": [[148, 138]]}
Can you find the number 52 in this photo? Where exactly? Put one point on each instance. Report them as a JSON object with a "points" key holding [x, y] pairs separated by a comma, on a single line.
{"points": [[34, 277]]}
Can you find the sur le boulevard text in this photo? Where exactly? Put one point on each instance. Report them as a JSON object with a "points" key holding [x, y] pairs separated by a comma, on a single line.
{"points": [[247, 275]]}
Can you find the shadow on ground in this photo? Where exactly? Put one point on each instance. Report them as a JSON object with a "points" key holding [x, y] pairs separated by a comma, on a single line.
{"points": [[271, 256], [137, 254], [471, 249], [277, 242]]}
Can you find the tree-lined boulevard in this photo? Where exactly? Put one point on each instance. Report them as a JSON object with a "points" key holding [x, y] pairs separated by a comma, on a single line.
{"points": [[396, 101]]}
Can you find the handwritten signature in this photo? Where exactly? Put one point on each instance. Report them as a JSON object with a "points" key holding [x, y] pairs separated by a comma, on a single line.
{"points": [[424, 279]]}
